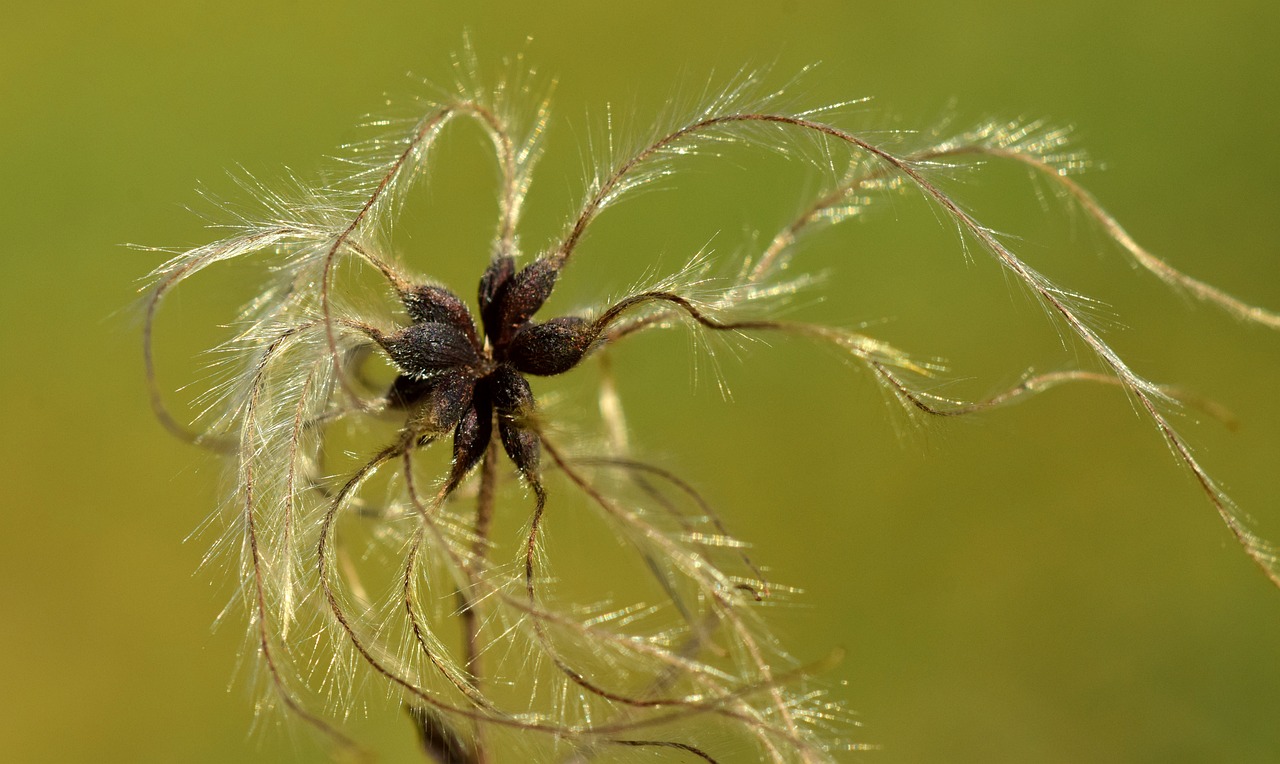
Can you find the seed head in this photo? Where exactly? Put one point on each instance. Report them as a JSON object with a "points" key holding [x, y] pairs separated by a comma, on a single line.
{"points": [[371, 574]]}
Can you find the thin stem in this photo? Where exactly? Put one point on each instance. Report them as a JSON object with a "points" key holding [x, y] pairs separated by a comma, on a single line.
{"points": [[409, 584], [468, 606], [663, 744]]}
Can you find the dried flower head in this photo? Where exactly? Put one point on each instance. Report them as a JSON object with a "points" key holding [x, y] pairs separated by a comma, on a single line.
{"points": [[385, 571]]}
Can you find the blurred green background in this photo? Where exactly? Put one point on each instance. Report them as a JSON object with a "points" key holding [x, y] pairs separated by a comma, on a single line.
{"points": [[1041, 583]]}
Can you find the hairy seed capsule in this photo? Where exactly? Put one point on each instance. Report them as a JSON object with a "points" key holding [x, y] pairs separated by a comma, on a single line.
{"points": [[425, 350], [553, 347], [449, 400], [471, 437], [523, 296], [432, 304]]}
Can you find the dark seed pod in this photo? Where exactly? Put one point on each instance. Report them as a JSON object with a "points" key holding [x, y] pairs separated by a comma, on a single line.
{"points": [[425, 350], [407, 391], [449, 400], [521, 445], [524, 295], [433, 304], [509, 391], [493, 284], [471, 438], [552, 347]]}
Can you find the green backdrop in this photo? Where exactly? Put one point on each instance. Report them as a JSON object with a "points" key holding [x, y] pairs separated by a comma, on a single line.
{"points": [[1041, 583]]}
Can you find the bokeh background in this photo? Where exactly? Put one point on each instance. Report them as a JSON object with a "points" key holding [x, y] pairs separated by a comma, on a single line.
{"points": [[1041, 583]]}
